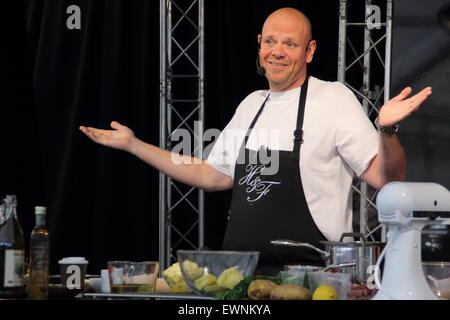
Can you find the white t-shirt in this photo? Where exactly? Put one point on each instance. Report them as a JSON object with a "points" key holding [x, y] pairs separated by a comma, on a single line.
{"points": [[339, 141]]}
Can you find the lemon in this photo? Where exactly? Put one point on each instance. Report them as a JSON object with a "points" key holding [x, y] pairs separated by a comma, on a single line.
{"points": [[325, 293]]}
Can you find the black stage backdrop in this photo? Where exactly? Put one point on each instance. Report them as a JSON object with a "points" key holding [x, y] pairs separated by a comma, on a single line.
{"points": [[103, 203]]}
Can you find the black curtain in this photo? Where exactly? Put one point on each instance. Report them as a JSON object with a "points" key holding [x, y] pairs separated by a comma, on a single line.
{"points": [[103, 204], [20, 157]]}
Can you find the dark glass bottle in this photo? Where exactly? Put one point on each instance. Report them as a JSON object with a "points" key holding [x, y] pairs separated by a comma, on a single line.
{"points": [[12, 250]]}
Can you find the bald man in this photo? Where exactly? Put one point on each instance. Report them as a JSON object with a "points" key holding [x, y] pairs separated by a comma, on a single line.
{"points": [[289, 153]]}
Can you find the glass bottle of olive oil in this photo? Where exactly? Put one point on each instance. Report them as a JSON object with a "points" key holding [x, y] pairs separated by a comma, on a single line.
{"points": [[39, 257]]}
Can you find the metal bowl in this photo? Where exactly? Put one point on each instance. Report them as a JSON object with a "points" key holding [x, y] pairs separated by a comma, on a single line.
{"points": [[438, 277], [208, 272]]}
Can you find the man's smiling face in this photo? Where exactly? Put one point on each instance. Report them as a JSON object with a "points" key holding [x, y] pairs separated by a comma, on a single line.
{"points": [[283, 49]]}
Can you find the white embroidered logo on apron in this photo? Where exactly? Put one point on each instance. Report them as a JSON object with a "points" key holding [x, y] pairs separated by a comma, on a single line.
{"points": [[257, 188]]}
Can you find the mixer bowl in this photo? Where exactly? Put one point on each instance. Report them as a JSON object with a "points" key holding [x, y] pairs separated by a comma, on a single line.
{"points": [[438, 277]]}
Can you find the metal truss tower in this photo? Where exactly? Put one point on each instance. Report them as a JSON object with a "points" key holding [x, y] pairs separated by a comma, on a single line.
{"points": [[181, 222], [367, 72]]}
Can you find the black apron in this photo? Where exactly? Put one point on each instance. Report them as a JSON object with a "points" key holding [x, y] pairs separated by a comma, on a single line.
{"points": [[270, 207]]}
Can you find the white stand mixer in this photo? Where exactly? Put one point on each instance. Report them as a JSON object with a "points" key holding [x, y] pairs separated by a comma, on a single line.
{"points": [[406, 208]]}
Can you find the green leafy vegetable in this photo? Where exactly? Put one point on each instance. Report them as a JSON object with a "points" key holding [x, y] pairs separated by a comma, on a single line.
{"points": [[306, 281]]}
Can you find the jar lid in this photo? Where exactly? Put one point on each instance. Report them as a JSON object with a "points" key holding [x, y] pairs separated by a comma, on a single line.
{"points": [[73, 260], [40, 210]]}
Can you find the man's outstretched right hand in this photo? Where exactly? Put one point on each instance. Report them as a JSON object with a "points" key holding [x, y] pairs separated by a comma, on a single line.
{"points": [[120, 138]]}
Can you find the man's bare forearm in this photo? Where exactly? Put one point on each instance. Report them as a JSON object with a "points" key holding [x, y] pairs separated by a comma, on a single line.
{"points": [[392, 159], [185, 169]]}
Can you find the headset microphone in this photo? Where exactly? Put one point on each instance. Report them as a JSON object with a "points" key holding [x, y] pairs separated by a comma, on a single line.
{"points": [[259, 70]]}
